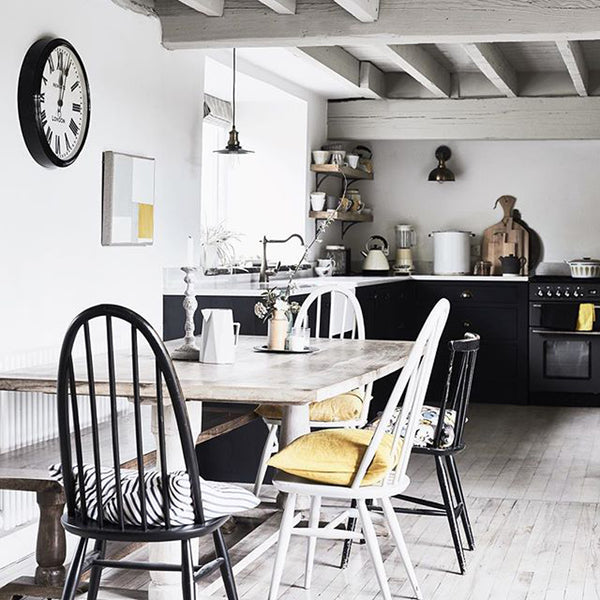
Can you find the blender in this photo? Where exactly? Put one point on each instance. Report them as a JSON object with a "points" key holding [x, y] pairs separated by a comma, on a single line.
{"points": [[406, 239]]}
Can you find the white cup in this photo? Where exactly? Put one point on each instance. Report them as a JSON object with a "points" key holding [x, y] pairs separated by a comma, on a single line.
{"points": [[317, 201], [353, 160]]}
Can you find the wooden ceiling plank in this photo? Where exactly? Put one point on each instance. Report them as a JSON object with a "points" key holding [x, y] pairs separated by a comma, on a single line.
{"points": [[366, 11], [494, 66], [282, 7], [571, 118], [210, 8], [322, 23], [420, 65], [574, 60]]}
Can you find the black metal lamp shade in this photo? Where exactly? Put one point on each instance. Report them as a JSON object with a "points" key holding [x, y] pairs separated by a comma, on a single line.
{"points": [[442, 173]]}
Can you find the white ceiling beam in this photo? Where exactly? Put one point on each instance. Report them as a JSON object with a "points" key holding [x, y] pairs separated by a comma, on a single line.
{"points": [[322, 23], [574, 60], [368, 81], [420, 65], [371, 81], [210, 8], [572, 118], [365, 11], [282, 7], [494, 66]]}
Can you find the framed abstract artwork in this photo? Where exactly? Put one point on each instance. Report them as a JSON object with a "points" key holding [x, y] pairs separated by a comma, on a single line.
{"points": [[127, 200]]}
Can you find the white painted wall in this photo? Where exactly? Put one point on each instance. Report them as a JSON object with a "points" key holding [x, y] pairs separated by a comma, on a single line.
{"points": [[145, 100], [557, 186]]}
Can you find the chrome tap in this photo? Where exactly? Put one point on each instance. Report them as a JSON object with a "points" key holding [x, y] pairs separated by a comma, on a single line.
{"points": [[264, 276]]}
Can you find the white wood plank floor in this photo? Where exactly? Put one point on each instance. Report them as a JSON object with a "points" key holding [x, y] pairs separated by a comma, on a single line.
{"points": [[532, 478]]}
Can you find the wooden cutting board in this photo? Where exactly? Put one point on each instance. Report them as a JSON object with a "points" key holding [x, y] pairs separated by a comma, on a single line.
{"points": [[504, 238]]}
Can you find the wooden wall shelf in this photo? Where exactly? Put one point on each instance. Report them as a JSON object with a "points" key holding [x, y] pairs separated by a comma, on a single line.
{"points": [[349, 172], [352, 217]]}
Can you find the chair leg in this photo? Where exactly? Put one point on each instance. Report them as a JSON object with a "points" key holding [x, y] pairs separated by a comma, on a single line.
{"points": [[458, 492], [394, 526], [188, 585], [226, 570], [449, 505], [74, 574], [285, 533], [313, 521], [373, 548], [96, 574], [268, 450], [348, 543]]}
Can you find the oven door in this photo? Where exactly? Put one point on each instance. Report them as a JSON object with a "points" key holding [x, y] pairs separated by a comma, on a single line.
{"points": [[564, 361]]}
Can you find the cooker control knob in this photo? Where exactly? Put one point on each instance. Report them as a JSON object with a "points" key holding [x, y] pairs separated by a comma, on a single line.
{"points": [[540, 292], [567, 293], [576, 294], [558, 293], [549, 293]]}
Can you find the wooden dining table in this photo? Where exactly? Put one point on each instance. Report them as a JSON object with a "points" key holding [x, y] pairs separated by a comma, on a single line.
{"points": [[292, 381]]}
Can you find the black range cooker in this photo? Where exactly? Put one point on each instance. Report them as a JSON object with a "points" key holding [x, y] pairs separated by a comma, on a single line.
{"points": [[564, 364]]}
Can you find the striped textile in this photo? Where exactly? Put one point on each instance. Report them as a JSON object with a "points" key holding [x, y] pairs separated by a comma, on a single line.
{"points": [[218, 499]]}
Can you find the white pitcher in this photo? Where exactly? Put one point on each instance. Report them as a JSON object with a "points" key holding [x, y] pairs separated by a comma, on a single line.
{"points": [[219, 336]]}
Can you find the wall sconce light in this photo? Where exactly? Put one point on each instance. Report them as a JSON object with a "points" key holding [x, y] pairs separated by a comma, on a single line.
{"points": [[442, 173]]}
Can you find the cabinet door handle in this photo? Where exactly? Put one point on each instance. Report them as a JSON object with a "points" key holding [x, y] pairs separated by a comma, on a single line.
{"points": [[467, 324], [466, 294]]}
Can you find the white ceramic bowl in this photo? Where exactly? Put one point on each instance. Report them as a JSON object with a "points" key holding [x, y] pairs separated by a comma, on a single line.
{"points": [[321, 157]]}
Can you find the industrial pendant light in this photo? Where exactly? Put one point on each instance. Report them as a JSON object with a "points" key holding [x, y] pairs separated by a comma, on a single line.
{"points": [[233, 145], [442, 173]]}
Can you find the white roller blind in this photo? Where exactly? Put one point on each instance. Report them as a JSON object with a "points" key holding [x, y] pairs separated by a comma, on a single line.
{"points": [[217, 111]]}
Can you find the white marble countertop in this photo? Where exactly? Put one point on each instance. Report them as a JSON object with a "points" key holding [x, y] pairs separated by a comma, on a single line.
{"points": [[246, 285]]}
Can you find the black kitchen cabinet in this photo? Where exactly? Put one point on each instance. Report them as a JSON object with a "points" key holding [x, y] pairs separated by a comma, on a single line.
{"points": [[498, 313]]}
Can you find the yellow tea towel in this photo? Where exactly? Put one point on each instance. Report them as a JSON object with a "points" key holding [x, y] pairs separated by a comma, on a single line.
{"points": [[586, 317]]}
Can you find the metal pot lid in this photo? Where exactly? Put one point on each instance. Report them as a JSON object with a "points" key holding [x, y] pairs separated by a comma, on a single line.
{"points": [[586, 260], [335, 247]]}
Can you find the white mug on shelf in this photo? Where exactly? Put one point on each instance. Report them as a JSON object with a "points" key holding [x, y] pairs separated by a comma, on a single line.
{"points": [[317, 201], [353, 160]]}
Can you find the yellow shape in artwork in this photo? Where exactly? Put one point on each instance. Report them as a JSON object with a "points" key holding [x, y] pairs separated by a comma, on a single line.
{"points": [[145, 221]]}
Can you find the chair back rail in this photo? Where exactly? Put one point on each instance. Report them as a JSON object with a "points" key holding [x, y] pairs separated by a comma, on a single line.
{"points": [[412, 386], [457, 391], [70, 434], [343, 307]]}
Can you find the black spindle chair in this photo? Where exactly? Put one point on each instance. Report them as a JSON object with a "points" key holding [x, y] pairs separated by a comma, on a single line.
{"points": [[457, 392], [77, 519]]}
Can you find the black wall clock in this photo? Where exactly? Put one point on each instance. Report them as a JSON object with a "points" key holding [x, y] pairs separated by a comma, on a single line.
{"points": [[54, 102]]}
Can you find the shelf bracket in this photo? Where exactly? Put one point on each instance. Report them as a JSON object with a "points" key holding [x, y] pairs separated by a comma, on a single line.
{"points": [[344, 226]]}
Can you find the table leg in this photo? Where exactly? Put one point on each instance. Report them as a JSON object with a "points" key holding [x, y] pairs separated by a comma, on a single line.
{"points": [[167, 585], [295, 422], [51, 546]]}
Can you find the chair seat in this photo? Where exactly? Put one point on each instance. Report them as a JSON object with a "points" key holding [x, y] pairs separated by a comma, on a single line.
{"points": [[92, 529], [341, 408], [218, 499], [292, 484], [425, 431]]}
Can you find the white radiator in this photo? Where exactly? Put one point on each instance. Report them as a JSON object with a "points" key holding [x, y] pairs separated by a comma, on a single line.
{"points": [[30, 418]]}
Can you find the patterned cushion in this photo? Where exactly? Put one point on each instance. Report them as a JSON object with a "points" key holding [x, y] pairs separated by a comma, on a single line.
{"points": [[344, 407], [425, 432], [218, 499]]}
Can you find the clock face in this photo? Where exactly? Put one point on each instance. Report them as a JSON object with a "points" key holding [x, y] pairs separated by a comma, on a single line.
{"points": [[54, 102]]}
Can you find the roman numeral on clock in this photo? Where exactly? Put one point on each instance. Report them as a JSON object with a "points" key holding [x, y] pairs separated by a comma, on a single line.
{"points": [[75, 86], [67, 143], [60, 60], [44, 80], [57, 146], [49, 134], [43, 97], [74, 127], [43, 118], [51, 63], [76, 107]]}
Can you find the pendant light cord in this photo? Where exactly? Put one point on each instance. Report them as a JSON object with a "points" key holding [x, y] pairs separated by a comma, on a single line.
{"points": [[234, 68]]}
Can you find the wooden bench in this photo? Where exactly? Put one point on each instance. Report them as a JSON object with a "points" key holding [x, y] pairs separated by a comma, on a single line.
{"points": [[26, 470]]}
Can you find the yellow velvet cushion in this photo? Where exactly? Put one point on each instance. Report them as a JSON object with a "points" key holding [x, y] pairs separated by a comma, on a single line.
{"points": [[345, 407], [333, 456]]}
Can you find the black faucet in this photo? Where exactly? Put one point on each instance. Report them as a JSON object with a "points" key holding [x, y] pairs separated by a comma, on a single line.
{"points": [[264, 276]]}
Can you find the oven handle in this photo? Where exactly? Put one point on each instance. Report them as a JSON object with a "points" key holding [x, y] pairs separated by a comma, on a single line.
{"points": [[596, 306], [554, 332]]}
